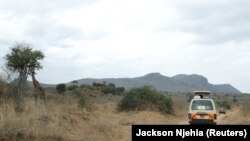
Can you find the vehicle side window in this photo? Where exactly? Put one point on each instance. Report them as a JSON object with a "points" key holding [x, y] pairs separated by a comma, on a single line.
{"points": [[202, 105]]}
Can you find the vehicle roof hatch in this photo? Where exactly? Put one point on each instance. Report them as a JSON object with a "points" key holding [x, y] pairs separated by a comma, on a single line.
{"points": [[201, 94]]}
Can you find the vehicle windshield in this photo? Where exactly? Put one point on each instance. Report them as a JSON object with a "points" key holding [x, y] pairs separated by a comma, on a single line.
{"points": [[202, 105]]}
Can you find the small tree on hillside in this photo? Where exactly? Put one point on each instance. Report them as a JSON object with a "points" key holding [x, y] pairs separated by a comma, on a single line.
{"points": [[24, 61], [74, 82]]}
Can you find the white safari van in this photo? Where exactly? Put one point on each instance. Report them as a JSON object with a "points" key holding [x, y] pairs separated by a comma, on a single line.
{"points": [[202, 109]]}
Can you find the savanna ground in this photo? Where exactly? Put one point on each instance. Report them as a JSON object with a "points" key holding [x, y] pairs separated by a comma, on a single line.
{"points": [[60, 118]]}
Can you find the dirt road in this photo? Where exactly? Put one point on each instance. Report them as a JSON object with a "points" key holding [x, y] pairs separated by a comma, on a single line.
{"points": [[233, 116]]}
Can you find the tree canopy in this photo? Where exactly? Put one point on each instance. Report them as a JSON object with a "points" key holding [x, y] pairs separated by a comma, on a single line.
{"points": [[23, 59]]}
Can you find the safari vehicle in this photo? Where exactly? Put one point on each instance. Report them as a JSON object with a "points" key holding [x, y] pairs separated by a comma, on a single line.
{"points": [[202, 109]]}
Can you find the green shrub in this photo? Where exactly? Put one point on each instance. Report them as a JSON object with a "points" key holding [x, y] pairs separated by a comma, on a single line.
{"points": [[72, 87], [61, 88], [120, 90], [112, 89], [108, 90], [144, 98], [225, 104], [98, 84], [80, 97]]}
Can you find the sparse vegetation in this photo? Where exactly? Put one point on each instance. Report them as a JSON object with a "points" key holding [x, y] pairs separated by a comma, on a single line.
{"points": [[245, 107], [72, 87], [98, 85], [190, 97], [2, 87], [120, 90], [112, 89], [146, 98], [109, 89], [80, 97], [225, 104], [62, 119], [235, 99]]}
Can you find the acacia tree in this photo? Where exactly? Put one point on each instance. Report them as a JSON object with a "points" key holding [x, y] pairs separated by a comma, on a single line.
{"points": [[24, 61]]}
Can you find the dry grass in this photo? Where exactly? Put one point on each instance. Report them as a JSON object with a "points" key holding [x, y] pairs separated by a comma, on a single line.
{"points": [[37, 122], [62, 120], [239, 114]]}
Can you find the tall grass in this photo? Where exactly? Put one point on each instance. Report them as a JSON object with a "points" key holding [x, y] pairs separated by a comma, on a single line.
{"points": [[36, 122]]}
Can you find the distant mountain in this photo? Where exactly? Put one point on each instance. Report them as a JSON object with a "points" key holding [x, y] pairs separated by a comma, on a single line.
{"points": [[178, 83]]}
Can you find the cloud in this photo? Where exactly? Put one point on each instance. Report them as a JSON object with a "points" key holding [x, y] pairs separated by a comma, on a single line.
{"points": [[214, 22], [26, 8], [107, 38]]}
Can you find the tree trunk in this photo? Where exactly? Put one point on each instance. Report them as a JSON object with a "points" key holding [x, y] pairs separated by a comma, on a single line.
{"points": [[20, 92]]}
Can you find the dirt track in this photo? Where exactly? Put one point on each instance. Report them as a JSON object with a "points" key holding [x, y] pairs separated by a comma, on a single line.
{"points": [[233, 116]]}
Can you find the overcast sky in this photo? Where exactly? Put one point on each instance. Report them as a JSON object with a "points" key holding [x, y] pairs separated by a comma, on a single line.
{"points": [[130, 38]]}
